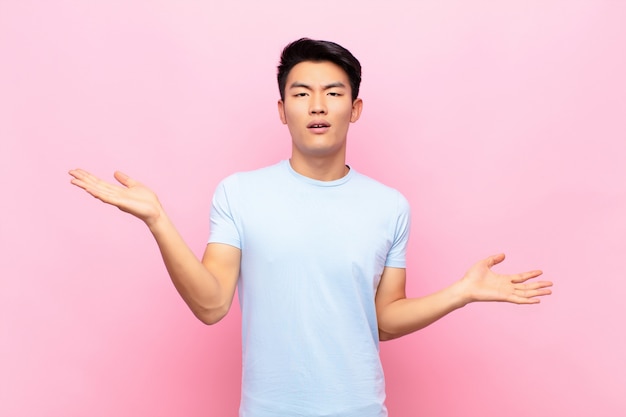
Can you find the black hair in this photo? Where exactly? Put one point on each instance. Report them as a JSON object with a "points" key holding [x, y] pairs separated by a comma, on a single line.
{"points": [[306, 49]]}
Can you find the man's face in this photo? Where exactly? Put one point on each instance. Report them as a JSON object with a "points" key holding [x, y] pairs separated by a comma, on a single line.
{"points": [[318, 109]]}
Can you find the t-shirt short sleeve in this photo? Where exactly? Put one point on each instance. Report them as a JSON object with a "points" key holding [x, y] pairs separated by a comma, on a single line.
{"points": [[396, 258], [223, 221]]}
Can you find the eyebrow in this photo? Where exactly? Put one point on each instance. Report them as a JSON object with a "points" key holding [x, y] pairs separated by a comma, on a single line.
{"points": [[336, 84]]}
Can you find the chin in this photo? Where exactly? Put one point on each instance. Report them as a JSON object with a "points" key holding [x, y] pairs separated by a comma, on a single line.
{"points": [[320, 151]]}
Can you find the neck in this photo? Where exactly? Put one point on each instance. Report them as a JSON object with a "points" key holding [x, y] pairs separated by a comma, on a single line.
{"points": [[321, 169]]}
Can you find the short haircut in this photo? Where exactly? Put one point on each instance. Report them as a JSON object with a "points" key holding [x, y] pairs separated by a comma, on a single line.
{"points": [[310, 50]]}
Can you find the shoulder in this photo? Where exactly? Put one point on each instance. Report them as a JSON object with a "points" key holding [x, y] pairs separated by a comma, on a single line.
{"points": [[253, 177], [378, 190]]}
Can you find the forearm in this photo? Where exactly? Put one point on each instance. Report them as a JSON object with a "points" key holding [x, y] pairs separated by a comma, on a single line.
{"points": [[198, 287], [201, 284], [408, 315], [398, 316]]}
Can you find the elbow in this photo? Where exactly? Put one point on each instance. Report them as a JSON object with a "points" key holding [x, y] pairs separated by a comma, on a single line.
{"points": [[387, 330], [210, 316], [384, 336], [209, 320]]}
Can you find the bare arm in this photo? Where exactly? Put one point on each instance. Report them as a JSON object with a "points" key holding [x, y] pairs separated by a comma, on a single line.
{"points": [[398, 315], [207, 287]]}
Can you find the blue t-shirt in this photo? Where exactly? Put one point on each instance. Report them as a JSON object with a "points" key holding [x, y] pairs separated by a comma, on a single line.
{"points": [[312, 256]]}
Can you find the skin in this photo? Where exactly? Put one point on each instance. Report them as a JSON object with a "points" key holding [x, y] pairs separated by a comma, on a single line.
{"points": [[318, 91], [314, 92]]}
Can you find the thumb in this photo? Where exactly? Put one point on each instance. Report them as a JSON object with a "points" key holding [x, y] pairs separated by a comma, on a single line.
{"points": [[495, 259], [124, 179]]}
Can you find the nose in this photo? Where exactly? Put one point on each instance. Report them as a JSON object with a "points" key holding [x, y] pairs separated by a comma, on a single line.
{"points": [[317, 105]]}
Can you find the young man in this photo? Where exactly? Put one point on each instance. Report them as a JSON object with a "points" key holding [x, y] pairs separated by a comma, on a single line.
{"points": [[317, 251]]}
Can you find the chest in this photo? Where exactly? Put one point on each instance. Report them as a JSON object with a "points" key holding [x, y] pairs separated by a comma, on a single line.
{"points": [[316, 226]]}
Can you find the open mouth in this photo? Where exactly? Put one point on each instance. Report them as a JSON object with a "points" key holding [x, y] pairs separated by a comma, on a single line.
{"points": [[318, 124]]}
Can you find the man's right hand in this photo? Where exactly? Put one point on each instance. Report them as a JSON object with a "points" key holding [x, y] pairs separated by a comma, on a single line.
{"points": [[207, 287], [132, 197]]}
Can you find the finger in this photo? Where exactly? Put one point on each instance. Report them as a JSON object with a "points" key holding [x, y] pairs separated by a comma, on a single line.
{"points": [[525, 276], [495, 259], [530, 297], [74, 172], [538, 284], [124, 179], [85, 178], [524, 300], [82, 178], [79, 174], [532, 291], [98, 188]]}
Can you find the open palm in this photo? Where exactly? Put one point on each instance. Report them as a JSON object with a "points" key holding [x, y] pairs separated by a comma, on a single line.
{"points": [[131, 196], [483, 284]]}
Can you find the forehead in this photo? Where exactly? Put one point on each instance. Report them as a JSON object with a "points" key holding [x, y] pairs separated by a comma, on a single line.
{"points": [[323, 72]]}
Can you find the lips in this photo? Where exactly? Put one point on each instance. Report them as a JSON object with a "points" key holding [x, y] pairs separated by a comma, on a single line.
{"points": [[318, 126]]}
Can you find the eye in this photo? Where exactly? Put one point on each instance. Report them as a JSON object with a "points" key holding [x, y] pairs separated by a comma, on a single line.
{"points": [[300, 95], [334, 94]]}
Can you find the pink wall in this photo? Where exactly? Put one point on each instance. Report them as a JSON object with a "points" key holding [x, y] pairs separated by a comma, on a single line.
{"points": [[502, 122]]}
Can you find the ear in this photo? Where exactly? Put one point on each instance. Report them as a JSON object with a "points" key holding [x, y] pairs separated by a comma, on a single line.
{"points": [[281, 111], [357, 108]]}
